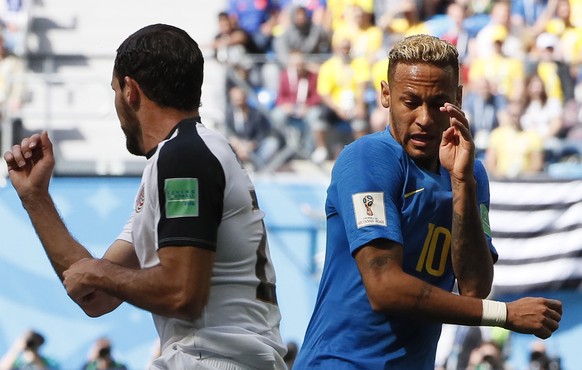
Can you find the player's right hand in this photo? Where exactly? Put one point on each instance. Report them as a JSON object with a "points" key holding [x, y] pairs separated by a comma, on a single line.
{"points": [[30, 164], [538, 316]]}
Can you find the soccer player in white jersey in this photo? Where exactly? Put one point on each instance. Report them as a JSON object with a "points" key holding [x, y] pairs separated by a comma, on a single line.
{"points": [[194, 252]]}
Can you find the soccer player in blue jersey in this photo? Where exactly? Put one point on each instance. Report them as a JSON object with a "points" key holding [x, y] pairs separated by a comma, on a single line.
{"points": [[194, 251], [406, 219]]}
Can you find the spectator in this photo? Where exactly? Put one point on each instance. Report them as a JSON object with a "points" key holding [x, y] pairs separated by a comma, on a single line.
{"points": [[531, 15], [466, 340], [366, 38], [249, 131], [506, 74], [570, 35], [101, 357], [477, 14], [25, 354], [14, 19], [481, 105], [297, 109], [512, 151], [542, 113], [402, 20], [231, 43], [539, 359], [341, 83], [338, 13], [258, 18], [499, 23], [488, 356], [456, 33], [301, 35], [234, 47], [545, 61], [382, 8], [316, 9]]}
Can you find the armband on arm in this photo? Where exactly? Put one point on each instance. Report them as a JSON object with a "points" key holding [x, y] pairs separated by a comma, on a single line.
{"points": [[494, 313]]}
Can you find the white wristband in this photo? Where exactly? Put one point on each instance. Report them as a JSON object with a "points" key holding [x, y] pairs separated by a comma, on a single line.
{"points": [[494, 313]]}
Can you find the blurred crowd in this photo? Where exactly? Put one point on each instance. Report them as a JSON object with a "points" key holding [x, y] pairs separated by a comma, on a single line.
{"points": [[304, 75], [472, 348], [26, 353]]}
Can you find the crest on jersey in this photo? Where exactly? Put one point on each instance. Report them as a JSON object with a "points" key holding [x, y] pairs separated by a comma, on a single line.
{"points": [[368, 201], [369, 209], [139, 201], [181, 197]]}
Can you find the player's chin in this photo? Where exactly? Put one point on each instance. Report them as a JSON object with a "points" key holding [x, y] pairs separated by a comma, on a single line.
{"points": [[422, 152]]}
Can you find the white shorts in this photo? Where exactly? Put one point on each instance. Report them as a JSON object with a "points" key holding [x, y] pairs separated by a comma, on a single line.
{"points": [[176, 359]]}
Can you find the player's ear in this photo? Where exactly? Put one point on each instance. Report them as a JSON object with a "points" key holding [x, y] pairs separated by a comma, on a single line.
{"points": [[132, 91], [460, 96], [385, 94]]}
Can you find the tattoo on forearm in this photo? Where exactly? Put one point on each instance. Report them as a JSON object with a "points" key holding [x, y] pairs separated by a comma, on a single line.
{"points": [[425, 292], [457, 219], [379, 261]]}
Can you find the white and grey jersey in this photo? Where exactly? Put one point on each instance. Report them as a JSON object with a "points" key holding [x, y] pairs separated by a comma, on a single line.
{"points": [[195, 194]]}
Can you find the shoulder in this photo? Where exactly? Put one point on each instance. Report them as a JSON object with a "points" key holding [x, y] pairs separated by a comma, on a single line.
{"points": [[186, 142], [192, 149], [381, 142], [370, 153]]}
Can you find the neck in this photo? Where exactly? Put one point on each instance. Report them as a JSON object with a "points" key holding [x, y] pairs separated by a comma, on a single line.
{"points": [[159, 123]]}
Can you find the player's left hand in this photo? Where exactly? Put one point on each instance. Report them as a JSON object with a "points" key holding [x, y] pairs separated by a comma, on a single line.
{"points": [[74, 280], [457, 149]]}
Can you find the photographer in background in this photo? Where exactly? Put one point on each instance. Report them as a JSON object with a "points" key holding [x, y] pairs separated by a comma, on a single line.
{"points": [[539, 359], [24, 354], [100, 357]]}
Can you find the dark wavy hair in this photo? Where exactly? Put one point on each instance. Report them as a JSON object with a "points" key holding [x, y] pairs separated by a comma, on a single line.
{"points": [[167, 64]]}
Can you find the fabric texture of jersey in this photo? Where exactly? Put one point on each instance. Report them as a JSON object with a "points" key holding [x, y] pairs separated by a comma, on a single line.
{"points": [[377, 191], [195, 194]]}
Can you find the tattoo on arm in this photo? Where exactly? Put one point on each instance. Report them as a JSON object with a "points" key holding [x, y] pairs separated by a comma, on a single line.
{"points": [[457, 219], [379, 261], [425, 292]]}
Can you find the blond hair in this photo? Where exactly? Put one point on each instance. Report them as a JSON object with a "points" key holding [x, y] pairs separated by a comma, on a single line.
{"points": [[423, 49]]}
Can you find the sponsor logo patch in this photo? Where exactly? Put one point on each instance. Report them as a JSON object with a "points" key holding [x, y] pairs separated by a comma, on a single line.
{"points": [[369, 209], [485, 220], [181, 197]]}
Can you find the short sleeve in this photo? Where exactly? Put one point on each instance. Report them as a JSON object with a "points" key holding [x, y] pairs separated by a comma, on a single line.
{"points": [[367, 192], [126, 231]]}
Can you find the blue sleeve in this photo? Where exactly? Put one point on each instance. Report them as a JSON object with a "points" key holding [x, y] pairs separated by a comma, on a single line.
{"points": [[368, 168]]}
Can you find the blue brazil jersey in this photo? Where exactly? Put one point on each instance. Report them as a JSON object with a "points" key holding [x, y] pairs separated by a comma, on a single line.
{"points": [[377, 191]]}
